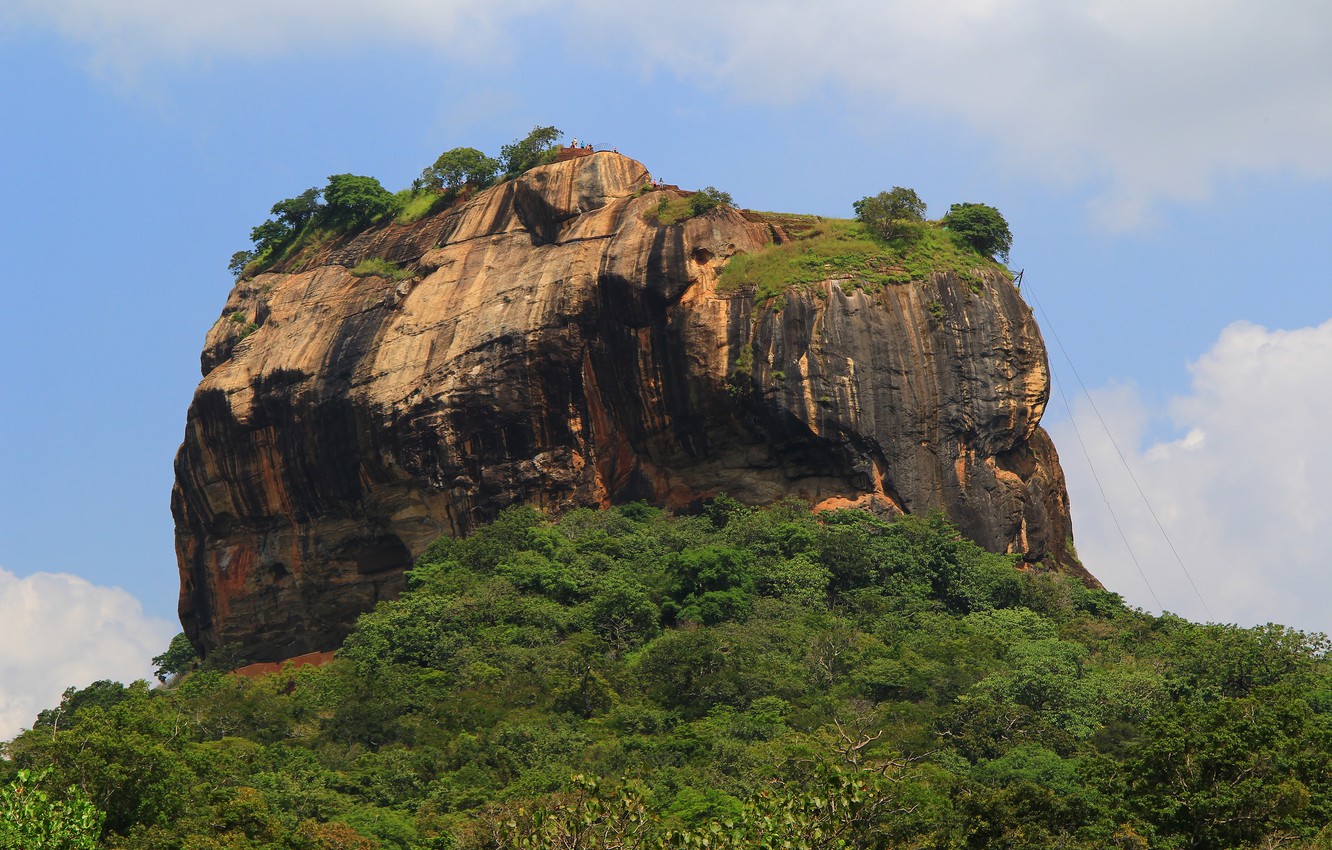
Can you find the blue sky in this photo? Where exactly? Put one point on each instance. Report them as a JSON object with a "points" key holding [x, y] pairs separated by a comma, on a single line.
{"points": [[1164, 167]]}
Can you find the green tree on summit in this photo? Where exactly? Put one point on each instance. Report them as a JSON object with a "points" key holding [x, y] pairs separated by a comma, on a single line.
{"points": [[351, 200], [460, 167], [270, 236], [536, 148], [180, 657], [892, 214], [297, 212], [289, 218], [982, 227]]}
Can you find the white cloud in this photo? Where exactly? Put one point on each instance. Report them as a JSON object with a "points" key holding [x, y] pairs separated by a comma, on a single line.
{"points": [[1242, 494], [57, 631], [1149, 100], [128, 35], [1154, 100]]}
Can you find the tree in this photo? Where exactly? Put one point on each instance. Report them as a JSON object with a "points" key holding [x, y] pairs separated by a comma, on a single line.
{"points": [[291, 215], [123, 759], [891, 214], [270, 237], [460, 167], [830, 807], [622, 612], [1218, 772], [239, 260], [31, 819], [799, 579], [180, 657], [298, 211], [312, 835], [981, 227], [103, 693], [352, 200], [537, 148], [712, 583]]}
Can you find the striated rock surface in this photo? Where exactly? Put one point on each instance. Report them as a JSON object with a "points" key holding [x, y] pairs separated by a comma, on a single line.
{"points": [[556, 347]]}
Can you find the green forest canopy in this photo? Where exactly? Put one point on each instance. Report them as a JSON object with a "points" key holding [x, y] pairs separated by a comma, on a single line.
{"points": [[628, 678]]}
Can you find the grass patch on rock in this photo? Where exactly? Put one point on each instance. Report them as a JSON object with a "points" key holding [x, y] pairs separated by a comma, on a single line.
{"points": [[414, 205], [848, 253], [673, 209], [379, 267]]}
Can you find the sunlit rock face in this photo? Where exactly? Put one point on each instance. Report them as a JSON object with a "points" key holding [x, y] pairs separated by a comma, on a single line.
{"points": [[558, 347]]}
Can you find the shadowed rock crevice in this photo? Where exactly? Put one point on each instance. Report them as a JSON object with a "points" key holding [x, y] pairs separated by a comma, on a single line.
{"points": [[557, 347]]}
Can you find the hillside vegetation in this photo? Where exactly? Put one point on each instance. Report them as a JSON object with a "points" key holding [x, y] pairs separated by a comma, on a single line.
{"points": [[740, 678]]}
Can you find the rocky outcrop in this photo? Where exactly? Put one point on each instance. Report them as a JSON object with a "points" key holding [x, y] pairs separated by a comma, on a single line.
{"points": [[555, 346]]}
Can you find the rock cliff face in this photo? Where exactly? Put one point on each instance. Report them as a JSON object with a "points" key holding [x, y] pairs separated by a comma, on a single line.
{"points": [[556, 347]]}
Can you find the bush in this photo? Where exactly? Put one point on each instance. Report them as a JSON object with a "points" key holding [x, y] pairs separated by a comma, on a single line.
{"points": [[673, 210], [981, 227], [861, 683], [706, 199]]}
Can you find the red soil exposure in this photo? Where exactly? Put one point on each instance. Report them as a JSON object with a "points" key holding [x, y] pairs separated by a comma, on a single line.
{"points": [[263, 668], [573, 153]]}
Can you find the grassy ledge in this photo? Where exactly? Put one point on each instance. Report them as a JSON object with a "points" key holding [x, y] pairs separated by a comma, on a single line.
{"points": [[845, 251], [379, 267]]}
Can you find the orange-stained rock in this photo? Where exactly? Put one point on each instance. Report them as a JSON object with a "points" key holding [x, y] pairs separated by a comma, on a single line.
{"points": [[558, 348]]}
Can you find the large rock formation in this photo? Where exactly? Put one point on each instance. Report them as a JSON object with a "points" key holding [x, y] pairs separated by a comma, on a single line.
{"points": [[557, 347]]}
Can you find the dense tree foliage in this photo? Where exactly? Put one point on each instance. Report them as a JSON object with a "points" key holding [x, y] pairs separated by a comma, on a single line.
{"points": [[351, 200], [536, 148], [299, 211], [33, 818], [180, 657], [736, 679], [460, 167], [348, 201], [982, 227]]}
